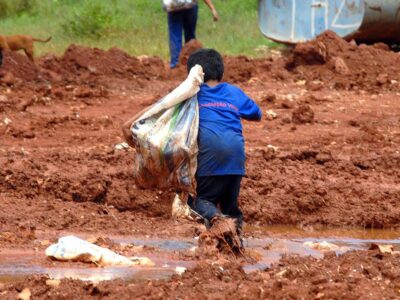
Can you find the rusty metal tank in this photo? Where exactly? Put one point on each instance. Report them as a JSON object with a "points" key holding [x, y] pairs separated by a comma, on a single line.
{"points": [[293, 21]]}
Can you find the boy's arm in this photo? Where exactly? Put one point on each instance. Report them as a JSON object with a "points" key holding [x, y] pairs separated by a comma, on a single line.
{"points": [[213, 10], [249, 110]]}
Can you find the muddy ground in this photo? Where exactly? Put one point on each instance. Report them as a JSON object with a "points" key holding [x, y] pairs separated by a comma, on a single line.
{"points": [[326, 154]]}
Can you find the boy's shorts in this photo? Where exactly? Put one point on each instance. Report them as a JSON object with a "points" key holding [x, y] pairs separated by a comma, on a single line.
{"points": [[214, 191]]}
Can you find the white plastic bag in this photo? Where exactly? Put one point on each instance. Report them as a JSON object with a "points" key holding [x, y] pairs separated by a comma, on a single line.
{"points": [[176, 5], [73, 248]]}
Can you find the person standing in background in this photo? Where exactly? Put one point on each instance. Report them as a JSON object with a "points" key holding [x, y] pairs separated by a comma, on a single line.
{"points": [[182, 18]]}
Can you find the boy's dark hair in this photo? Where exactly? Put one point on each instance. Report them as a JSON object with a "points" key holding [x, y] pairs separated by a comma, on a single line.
{"points": [[211, 62]]}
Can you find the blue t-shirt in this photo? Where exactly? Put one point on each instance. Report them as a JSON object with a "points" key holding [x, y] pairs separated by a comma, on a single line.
{"points": [[221, 143]]}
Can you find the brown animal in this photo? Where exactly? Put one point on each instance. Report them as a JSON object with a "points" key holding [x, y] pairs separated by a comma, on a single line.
{"points": [[20, 42]]}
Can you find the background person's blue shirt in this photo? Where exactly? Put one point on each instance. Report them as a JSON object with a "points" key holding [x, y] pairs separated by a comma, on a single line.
{"points": [[221, 143]]}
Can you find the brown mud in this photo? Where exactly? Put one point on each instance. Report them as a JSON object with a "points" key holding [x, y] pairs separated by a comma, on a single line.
{"points": [[329, 158]]}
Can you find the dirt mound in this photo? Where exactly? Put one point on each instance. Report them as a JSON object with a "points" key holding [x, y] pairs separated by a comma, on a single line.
{"points": [[188, 49], [20, 66], [111, 62], [83, 63], [344, 64], [241, 69]]}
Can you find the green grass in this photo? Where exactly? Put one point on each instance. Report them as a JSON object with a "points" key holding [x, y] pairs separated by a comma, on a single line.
{"points": [[137, 26]]}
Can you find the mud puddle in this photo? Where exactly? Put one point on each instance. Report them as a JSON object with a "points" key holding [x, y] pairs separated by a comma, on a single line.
{"points": [[166, 245], [285, 241], [313, 243], [22, 266], [13, 271]]}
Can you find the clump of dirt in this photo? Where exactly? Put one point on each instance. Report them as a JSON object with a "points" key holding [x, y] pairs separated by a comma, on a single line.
{"points": [[188, 49], [19, 66], [222, 238], [7, 78], [17, 235], [343, 64], [303, 115]]}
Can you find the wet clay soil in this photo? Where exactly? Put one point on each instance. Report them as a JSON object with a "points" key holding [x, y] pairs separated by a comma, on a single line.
{"points": [[60, 121]]}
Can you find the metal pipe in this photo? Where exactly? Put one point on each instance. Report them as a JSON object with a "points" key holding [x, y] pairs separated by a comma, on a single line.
{"points": [[293, 21], [381, 22]]}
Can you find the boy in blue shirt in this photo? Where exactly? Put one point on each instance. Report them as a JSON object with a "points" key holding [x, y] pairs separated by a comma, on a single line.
{"points": [[221, 157]]}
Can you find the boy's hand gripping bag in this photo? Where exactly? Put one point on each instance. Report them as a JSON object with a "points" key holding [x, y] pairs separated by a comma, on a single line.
{"points": [[165, 138]]}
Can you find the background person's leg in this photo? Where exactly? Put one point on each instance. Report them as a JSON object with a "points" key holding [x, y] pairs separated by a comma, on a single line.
{"points": [[175, 28], [229, 202], [190, 22]]}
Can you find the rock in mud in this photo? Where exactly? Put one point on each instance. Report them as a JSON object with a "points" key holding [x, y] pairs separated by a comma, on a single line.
{"points": [[268, 97], [270, 152], [53, 282], [8, 79], [25, 294], [382, 79], [340, 66], [287, 104], [303, 115], [323, 157]]}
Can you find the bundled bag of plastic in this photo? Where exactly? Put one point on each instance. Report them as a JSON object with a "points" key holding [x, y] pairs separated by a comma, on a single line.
{"points": [[165, 138]]}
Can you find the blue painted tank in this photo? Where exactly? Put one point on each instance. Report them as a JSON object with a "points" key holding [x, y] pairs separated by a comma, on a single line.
{"points": [[293, 21]]}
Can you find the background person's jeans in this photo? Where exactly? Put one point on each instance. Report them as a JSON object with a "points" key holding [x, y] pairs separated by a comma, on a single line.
{"points": [[183, 21]]}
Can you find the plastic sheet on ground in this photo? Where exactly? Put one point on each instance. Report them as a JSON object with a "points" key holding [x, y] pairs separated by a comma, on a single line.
{"points": [[165, 136], [76, 249]]}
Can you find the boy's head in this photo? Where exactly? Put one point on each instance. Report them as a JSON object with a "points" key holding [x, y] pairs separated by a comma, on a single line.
{"points": [[211, 62]]}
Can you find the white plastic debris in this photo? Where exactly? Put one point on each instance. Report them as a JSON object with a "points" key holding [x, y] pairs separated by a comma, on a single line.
{"points": [[121, 146], [271, 114], [274, 149], [322, 246], [180, 209], [7, 121], [180, 270], [73, 248], [301, 82]]}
